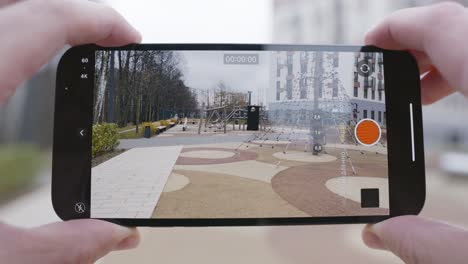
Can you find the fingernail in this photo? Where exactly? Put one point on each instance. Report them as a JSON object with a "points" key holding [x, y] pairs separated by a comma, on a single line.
{"points": [[371, 239], [129, 242], [136, 35], [367, 36], [140, 39]]}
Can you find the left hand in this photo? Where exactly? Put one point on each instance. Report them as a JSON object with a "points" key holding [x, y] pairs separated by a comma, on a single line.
{"points": [[33, 31], [76, 241]]}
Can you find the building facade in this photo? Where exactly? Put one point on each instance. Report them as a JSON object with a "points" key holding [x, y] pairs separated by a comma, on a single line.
{"points": [[368, 94], [342, 87]]}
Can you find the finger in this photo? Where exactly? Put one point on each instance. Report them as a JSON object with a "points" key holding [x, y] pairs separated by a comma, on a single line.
{"points": [[4, 3], [434, 87], [82, 241], [414, 28], [33, 31], [424, 63], [430, 30], [418, 240]]}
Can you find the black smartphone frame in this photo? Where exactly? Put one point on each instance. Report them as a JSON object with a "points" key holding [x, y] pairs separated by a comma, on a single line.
{"points": [[71, 165]]}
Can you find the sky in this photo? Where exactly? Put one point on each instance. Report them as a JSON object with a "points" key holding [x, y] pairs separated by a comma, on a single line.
{"points": [[205, 21], [201, 21], [204, 69]]}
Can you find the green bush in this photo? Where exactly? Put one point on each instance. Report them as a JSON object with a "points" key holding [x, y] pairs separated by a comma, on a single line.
{"points": [[164, 123], [105, 138]]}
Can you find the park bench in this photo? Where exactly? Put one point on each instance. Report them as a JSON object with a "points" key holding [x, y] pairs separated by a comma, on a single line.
{"points": [[171, 124], [160, 129]]}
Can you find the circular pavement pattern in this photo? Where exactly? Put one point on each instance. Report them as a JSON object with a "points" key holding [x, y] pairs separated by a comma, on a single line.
{"points": [[271, 142], [176, 182], [204, 156], [208, 154], [350, 187], [215, 195], [304, 156], [305, 188]]}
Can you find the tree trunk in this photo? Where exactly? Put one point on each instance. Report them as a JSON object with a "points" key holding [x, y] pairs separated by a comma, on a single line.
{"points": [[102, 83]]}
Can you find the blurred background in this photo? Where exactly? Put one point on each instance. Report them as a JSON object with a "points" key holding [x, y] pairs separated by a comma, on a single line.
{"points": [[26, 123]]}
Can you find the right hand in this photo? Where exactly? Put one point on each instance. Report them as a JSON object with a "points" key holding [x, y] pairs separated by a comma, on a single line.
{"points": [[437, 36], [419, 240]]}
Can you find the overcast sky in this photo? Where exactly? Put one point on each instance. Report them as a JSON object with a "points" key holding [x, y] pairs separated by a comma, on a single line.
{"points": [[204, 69], [205, 21], [200, 21]]}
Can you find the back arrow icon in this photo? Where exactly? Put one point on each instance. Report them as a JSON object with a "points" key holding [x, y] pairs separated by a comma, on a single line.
{"points": [[82, 132]]}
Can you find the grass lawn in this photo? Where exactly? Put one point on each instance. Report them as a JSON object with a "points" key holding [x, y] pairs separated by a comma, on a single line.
{"points": [[120, 129], [131, 134]]}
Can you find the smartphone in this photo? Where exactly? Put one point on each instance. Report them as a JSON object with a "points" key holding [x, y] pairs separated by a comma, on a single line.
{"points": [[234, 135]]}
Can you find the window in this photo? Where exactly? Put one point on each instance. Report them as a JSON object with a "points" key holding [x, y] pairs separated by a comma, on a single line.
{"points": [[365, 93], [289, 62], [372, 115], [303, 67], [278, 90], [335, 88], [278, 68], [303, 87], [380, 95], [336, 61], [385, 117], [289, 88], [373, 94], [364, 114], [289, 59], [380, 117], [356, 92]]}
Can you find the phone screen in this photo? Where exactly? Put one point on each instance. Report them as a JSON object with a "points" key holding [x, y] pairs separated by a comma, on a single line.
{"points": [[238, 134]]}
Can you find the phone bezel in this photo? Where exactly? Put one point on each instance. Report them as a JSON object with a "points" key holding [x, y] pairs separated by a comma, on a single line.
{"points": [[71, 166]]}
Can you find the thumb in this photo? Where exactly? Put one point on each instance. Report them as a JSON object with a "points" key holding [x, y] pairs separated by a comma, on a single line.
{"points": [[418, 240], [82, 241]]}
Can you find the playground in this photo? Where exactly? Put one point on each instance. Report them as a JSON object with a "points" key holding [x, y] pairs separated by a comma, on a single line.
{"points": [[306, 142], [240, 173]]}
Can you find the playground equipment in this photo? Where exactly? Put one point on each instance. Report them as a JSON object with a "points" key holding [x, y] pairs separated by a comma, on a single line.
{"points": [[313, 108], [220, 117]]}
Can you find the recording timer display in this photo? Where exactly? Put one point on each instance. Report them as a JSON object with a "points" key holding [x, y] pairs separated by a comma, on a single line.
{"points": [[241, 59]]}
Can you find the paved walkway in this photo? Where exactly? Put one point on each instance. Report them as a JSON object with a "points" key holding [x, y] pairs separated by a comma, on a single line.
{"points": [[130, 184], [158, 141]]}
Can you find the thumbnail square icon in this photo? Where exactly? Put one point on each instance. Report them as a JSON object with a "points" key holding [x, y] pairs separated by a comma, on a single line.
{"points": [[370, 198]]}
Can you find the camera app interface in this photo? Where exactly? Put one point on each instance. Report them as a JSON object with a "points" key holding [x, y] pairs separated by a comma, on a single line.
{"points": [[238, 134]]}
